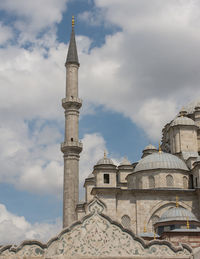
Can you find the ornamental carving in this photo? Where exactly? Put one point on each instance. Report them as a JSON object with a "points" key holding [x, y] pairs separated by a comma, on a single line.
{"points": [[96, 235]]}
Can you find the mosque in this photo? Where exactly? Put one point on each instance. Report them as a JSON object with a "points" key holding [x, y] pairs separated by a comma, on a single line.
{"points": [[146, 209]]}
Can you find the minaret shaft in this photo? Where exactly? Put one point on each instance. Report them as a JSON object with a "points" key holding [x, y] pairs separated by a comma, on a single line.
{"points": [[71, 146]]}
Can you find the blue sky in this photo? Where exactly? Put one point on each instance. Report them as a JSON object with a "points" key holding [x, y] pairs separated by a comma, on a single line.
{"points": [[139, 65]]}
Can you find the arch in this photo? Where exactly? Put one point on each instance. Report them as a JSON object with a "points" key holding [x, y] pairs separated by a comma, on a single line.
{"points": [[185, 182], [156, 210], [169, 180], [151, 181], [126, 221]]}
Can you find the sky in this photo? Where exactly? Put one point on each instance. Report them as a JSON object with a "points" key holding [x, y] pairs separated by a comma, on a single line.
{"points": [[139, 64]]}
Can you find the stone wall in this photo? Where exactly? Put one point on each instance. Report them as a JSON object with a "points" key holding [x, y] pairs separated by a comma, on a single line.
{"points": [[143, 205], [96, 236]]}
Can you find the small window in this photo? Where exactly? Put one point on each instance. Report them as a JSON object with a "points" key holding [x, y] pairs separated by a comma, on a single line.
{"points": [[140, 183], [169, 180], [106, 178], [185, 182], [151, 182], [72, 139], [126, 221]]}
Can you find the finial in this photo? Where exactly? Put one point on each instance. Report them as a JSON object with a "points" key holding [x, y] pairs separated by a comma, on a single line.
{"points": [[154, 235], [159, 149], [104, 153], [145, 229], [188, 224], [177, 204], [73, 21], [182, 112]]}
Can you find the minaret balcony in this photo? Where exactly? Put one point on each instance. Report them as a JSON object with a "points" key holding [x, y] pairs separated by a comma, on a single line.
{"points": [[71, 102], [72, 146]]}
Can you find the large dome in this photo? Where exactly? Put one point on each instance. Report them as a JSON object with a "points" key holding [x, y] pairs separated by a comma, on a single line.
{"points": [[160, 160], [177, 213]]}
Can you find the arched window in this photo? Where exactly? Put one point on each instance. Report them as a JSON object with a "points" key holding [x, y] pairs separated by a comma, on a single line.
{"points": [[169, 180], [139, 182], [151, 182], [185, 182], [126, 221]]}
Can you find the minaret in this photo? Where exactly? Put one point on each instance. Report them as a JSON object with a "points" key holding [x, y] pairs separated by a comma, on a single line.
{"points": [[71, 147]]}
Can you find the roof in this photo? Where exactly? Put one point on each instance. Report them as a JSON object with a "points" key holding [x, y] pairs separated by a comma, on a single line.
{"points": [[190, 108], [105, 161], [150, 147], [72, 56], [187, 154], [160, 160], [182, 121], [90, 176], [148, 234], [125, 161], [177, 214]]}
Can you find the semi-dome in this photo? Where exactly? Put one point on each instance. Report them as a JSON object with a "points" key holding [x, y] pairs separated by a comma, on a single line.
{"points": [[178, 214], [160, 160], [182, 121], [105, 161]]}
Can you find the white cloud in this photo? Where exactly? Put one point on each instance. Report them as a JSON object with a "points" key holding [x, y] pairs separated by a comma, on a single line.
{"points": [[15, 229], [29, 161], [148, 70], [145, 71], [33, 16], [6, 33]]}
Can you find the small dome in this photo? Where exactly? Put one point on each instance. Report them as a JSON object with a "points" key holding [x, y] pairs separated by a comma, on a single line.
{"points": [[190, 108], [160, 160], [150, 147], [182, 121], [177, 213], [105, 161], [125, 161]]}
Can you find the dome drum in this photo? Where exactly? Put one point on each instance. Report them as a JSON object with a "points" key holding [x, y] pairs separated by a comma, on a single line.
{"points": [[160, 178]]}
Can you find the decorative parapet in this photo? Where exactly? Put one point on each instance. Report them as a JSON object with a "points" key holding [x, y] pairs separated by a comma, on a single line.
{"points": [[71, 102], [72, 146], [96, 235]]}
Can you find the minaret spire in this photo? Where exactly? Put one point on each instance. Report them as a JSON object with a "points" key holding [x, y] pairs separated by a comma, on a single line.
{"points": [[72, 56], [71, 147]]}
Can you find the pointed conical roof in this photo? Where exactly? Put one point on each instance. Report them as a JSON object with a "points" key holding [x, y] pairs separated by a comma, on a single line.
{"points": [[72, 56]]}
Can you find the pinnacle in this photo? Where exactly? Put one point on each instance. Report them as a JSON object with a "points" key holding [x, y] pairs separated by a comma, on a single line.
{"points": [[72, 56]]}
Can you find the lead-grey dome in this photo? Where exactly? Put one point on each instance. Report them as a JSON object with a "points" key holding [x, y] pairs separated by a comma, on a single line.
{"points": [[182, 121], [160, 160], [125, 161], [177, 213], [105, 161]]}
